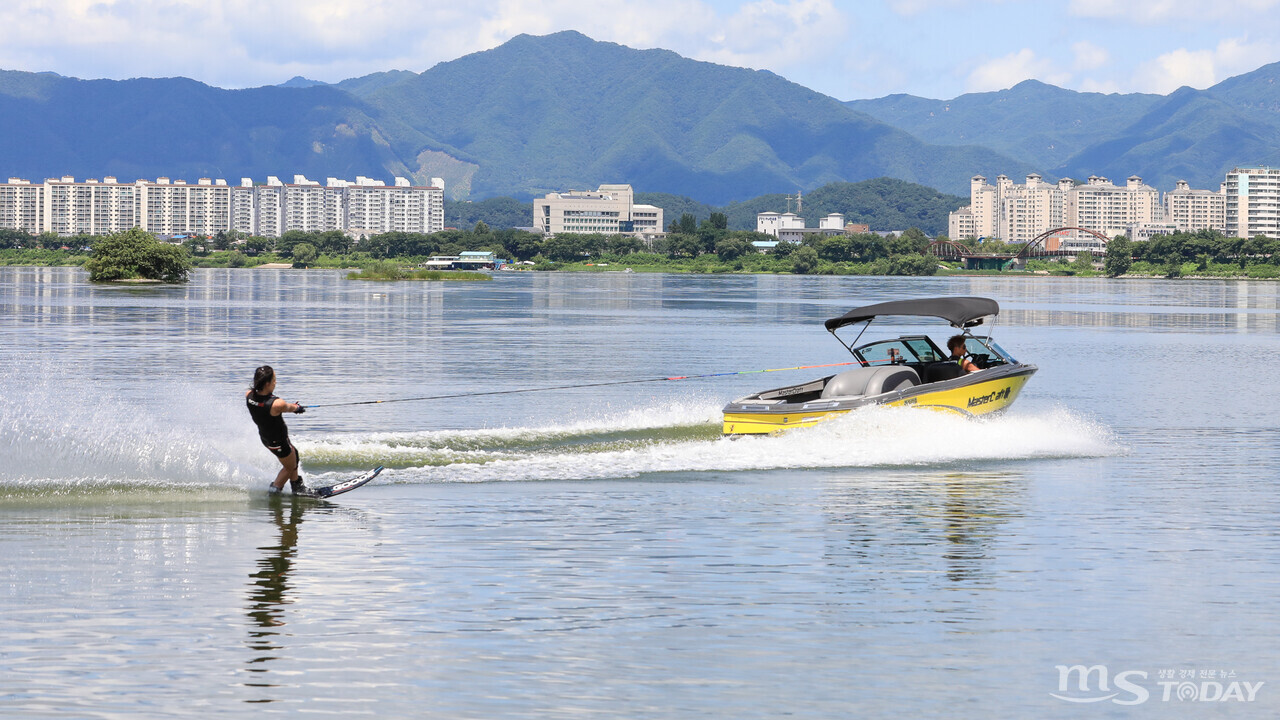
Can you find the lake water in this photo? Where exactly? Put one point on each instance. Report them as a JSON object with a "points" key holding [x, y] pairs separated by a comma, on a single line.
{"points": [[602, 551]]}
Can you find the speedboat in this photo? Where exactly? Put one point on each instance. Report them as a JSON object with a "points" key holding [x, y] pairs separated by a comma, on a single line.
{"points": [[910, 370]]}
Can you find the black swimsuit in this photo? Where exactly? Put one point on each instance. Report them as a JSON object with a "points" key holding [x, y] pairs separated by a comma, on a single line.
{"points": [[271, 428]]}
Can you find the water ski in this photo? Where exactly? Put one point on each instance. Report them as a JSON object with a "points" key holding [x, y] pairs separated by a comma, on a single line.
{"points": [[346, 486]]}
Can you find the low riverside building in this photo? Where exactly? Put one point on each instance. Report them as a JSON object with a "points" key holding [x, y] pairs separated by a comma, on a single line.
{"points": [[608, 210], [167, 207], [790, 226], [1149, 230], [468, 260]]}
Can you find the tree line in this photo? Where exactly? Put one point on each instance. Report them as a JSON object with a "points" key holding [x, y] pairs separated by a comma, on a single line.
{"points": [[1206, 251], [688, 240]]}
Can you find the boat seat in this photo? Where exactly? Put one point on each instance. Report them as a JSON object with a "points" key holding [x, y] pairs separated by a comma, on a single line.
{"points": [[870, 381], [939, 371]]}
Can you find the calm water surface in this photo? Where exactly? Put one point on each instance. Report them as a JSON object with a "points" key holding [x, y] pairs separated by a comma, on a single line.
{"points": [[602, 552]]}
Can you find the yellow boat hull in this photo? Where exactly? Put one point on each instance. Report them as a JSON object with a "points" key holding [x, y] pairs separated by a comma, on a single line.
{"points": [[982, 398]]}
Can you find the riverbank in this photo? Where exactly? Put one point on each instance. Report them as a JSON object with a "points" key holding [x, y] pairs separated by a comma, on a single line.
{"points": [[709, 264]]}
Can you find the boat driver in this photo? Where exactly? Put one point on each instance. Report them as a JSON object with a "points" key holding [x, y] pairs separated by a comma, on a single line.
{"points": [[959, 354]]}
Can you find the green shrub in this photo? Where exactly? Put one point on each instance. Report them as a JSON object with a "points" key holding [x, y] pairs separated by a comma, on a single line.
{"points": [[304, 253], [912, 264], [136, 254], [804, 261]]}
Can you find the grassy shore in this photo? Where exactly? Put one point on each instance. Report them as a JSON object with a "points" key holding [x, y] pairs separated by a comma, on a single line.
{"points": [[652, 262], [44, 258]]}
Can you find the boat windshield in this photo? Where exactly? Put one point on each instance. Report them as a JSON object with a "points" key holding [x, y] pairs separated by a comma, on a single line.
{"points": [[902, 350], [998, 351]]}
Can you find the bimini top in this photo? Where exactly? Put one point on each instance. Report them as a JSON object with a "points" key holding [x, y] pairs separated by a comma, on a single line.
{"points": [[955, 310]]}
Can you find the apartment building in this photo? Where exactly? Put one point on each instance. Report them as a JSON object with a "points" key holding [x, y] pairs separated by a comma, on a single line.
{"points": [[1191, 210], [609, 210], [166, 207], [92, 206], [373, 208], [1110, 209], [244, 207], [21, 205], [1011, 212], [1252, 202], [173, 207], [1020, 213], [304, 206], [268, 207]]}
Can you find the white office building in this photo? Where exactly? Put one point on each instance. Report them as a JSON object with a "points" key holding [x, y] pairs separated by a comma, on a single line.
{"points": [[775, 223], [790, 227], [1253, 202], [1143, 232], [608, 210]]}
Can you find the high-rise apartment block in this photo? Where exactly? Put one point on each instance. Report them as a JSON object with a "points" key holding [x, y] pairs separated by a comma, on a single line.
{"points": [[164, 207], [1253, 202], [1014, 213], [609, 210], [1020, 213], [1191, 210], [21, 204], [1110, 209]]}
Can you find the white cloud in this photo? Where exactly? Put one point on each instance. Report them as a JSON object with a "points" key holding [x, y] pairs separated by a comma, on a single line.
{"points": [[1007, 71], [1089, 56], [1161, 11], [776, 35], [840, 47], [1202, 68], [916, 7], [238, 43], [1174, 69]]}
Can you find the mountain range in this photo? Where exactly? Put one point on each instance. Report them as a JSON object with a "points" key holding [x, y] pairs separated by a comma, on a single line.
{"points": [[881, 203], [1193, 135], [563, 111]]}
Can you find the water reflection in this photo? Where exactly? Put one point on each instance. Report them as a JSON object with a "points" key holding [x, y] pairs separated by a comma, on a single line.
{"points": [[942, 524], [269, 592], [972, 509]]}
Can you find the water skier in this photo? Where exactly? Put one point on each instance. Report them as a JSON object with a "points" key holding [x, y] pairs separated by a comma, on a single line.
{"points": [[267, 412]]}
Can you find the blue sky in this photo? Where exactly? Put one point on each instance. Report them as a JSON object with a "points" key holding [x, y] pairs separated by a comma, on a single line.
{"points": [[844, 48]]}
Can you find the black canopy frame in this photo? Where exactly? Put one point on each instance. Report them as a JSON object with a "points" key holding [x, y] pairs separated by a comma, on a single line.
{"points": [[960, 312]]}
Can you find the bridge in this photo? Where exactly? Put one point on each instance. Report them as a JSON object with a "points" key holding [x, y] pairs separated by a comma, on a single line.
{"points": [[1037, 248]]}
